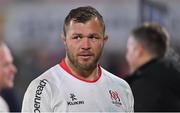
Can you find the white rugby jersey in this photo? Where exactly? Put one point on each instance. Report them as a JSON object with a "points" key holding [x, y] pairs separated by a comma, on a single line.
{"points": [[3, 105], [58, 90]]}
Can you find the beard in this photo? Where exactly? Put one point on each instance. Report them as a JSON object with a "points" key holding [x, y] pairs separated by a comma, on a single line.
{"points": [[84, 65]]}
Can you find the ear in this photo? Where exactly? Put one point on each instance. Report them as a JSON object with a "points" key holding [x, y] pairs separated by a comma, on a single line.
{"points": [[105, 38], [140, 50], [63, 38]]}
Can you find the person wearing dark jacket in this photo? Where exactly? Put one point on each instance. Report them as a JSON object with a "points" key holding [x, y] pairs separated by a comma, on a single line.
{"points": [[154, 79], [7, 74]]}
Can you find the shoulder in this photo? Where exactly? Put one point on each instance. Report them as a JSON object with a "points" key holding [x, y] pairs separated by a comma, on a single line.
{"points": [[52, 75], [42, 90], [122, 86], [4, 106], [49, 80], [116, 80], [167, 67]]}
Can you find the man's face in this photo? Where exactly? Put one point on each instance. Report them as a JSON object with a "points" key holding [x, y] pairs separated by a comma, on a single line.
{"points": [[84, 43], [132, 53], [7, 68]]}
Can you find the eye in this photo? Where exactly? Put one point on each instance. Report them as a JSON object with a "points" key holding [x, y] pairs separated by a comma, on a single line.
{"points": [[6, 64], [94, 37], [77, 37]]}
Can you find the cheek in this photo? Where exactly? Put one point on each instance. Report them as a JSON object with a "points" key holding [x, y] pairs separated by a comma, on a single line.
{"points": [[2, 71], [98, 47], [129, 55], [72, 44], [69, 46], [71, 49], [6, 71], [3, 75], [128, 58]]}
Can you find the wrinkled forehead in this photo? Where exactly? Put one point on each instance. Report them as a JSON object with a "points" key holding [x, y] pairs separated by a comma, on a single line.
{"points": [[74, 21], [92, 24], [93, 20]]}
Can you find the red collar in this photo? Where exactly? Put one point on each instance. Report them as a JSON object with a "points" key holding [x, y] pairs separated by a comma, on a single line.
{"points": [[65, 67]]}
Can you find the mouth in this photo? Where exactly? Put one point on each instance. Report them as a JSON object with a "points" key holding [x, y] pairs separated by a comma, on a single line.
{"points": [[11, 77], [85, 55]]}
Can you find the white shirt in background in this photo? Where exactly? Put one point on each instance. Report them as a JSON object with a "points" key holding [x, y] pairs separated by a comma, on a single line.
{"points": [[3, 105]]}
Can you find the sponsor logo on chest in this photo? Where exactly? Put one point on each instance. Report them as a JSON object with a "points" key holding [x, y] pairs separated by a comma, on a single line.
{"points": [[74, 100]]}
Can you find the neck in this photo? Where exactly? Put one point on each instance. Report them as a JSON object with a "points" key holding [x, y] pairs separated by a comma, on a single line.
{"points": [[90, 75], [0, 89], [142, 61]]}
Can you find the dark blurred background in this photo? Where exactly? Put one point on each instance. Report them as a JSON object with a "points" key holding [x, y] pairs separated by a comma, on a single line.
{"points": [[32, 30]]}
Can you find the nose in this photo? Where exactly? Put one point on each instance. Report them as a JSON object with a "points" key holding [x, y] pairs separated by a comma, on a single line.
{"points": [[86, 43], [13, 69]]}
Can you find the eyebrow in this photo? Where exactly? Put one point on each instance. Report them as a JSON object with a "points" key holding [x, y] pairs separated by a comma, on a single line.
{"points": [[76, 34], [93, 34]]}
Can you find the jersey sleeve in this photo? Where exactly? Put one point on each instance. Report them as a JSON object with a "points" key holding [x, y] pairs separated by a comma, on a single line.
{"points": [[129, 97], [131, 101], [37, 97]]}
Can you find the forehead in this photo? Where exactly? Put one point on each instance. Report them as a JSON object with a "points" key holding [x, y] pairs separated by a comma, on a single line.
{"points": [[5, 54], [132, 41], [91, 26]]}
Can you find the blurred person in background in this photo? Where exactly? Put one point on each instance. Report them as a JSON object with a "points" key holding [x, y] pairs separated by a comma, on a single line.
{"points": [[154, 78], [7, 73], [11, 97], [78, 83]]}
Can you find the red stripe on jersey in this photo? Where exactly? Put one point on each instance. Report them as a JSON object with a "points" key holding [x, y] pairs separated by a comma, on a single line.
{"points": [[65, 67]]}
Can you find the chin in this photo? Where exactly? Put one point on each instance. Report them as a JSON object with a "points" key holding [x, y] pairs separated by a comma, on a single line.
{"points": [[132, 70], [10, 85], [85, 63]]}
